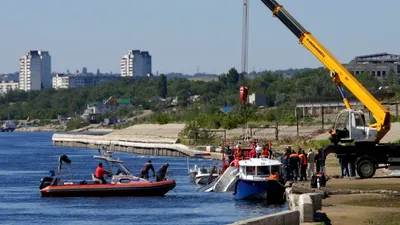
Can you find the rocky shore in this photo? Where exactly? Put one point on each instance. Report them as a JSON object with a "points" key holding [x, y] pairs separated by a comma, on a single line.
{"points": [[47, 128]]}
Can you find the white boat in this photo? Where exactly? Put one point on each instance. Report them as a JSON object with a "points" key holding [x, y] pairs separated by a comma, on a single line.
{"points": [[205, 176], [202, 175], [8, 126], [260, 178]]}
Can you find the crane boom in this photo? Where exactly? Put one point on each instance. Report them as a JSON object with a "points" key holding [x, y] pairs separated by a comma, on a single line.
{"points": [[339, 74]]}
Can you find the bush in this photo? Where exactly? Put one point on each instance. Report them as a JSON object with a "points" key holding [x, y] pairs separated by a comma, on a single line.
{"points": [[76, 124], [162, 118], [192, 134]]}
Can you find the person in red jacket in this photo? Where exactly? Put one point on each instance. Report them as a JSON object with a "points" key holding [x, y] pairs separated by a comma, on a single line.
{"points": [[100, 172]]}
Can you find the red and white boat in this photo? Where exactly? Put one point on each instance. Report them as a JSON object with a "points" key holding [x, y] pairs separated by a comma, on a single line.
{"points": [[123, 183]]}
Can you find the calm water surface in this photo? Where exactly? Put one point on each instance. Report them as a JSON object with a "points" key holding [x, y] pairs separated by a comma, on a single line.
{"points": [[27, 157]]}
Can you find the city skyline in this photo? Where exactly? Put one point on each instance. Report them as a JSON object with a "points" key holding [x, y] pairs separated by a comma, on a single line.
{"points": [[185, 36]]}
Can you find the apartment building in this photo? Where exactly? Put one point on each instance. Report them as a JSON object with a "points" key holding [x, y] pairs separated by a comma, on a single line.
{"points": [[35, 71], [73, 81], [6, 86], [65, 81], [136, 64]]}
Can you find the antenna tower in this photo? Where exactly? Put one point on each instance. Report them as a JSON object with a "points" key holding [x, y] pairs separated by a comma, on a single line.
{"points": [[245, 36]]}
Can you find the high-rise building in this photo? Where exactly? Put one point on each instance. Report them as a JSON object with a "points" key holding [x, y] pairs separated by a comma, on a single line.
{"points": [[35, 71], [136, 64]]}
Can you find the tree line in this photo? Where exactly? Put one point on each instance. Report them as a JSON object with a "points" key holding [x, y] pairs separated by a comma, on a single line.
{"points": [[279, 90]]}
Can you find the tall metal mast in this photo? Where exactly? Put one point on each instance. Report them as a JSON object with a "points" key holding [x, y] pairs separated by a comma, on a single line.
{"points": [[245, 36]]}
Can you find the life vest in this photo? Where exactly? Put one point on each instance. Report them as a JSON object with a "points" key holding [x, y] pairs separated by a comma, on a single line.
{"points": [[265, 152], [303, 159], [293, 160], [235, 163], [273, 176]]}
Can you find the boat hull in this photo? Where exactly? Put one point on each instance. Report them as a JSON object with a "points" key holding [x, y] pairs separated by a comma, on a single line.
{"points": [[271, 190], [109, 190], [203, 179]]}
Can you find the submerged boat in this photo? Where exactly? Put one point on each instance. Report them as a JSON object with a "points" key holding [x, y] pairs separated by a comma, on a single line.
{"points": [[260, 179], [123, 183], [204, 175]]}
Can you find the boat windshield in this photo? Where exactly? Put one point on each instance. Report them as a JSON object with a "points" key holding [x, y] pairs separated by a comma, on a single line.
{"points": [[250, 170], [203, 170], [262, 170], [123, 169], [275, 169]]}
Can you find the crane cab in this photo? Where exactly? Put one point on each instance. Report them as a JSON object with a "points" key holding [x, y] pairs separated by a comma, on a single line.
{"points": [[350, 127]]}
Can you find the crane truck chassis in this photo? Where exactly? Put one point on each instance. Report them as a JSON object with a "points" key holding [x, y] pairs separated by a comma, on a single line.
{"points": [[358, 143]]}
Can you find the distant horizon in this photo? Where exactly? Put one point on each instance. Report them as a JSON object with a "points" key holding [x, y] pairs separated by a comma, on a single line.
{"points": [[111, 72]]}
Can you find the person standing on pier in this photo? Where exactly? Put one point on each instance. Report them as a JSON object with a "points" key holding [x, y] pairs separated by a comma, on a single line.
{"points": [[311, 163], [303, 164], [294, 164], [144, 172]]}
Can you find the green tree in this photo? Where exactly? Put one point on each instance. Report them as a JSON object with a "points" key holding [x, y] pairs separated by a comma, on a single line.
{"points": [[391, 78], [233, 76], [162, 86], [370, 82]]}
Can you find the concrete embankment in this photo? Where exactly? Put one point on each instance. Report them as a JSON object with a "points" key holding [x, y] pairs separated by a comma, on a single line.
{"points": [[132, 144], [302, 209], [287, 217]]}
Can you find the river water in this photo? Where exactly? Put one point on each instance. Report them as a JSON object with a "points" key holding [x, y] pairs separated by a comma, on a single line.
{"points": [[27, 157]]}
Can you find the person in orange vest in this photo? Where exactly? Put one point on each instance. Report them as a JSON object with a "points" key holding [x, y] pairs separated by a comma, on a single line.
{"points": [[273, 176], [265, 152], [303, 164], [253, 152], [239, 152], [294, 164]]}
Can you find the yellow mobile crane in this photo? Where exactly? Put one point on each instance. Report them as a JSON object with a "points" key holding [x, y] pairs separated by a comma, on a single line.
{"points": [[350, 126]]}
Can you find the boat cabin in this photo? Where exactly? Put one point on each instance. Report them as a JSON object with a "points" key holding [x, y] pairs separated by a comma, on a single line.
{"points": [[259, 168]]}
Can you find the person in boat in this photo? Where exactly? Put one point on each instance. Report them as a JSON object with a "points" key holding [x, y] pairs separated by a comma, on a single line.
{"points": [[253, 153], [265, 151], [258, 151], [144, 172], [239, 153], [162, 172], [100, 172]]}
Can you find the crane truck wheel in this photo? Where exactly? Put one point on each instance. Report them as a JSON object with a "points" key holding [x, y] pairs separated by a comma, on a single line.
{"points": [[366, 168]]}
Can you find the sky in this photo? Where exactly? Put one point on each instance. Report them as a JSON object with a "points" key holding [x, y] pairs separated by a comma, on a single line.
{"points": [[186, 35]]}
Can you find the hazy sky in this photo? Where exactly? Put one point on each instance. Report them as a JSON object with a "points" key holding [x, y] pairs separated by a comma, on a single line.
{"points": [[182, 35]]}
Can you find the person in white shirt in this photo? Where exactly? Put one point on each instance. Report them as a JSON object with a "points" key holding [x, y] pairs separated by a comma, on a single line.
{"points": [[310, 163]]}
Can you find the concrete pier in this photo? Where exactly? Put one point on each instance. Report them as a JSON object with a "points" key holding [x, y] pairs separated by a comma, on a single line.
{"points": [[160, 147]]}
